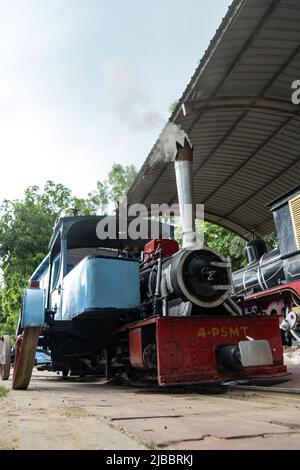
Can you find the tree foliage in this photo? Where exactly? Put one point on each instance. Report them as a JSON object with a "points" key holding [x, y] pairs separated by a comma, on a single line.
{"points": [[113, 188], [25, 229], [226, 243], [229, 244], [99, 200], [173, 106]]}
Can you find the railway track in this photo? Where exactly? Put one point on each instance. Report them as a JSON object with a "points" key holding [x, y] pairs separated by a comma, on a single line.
{"points": [[215, 389], [260, 388]]}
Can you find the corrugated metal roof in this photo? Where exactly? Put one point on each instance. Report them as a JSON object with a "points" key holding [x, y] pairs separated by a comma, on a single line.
{"points": [[240, 118]]}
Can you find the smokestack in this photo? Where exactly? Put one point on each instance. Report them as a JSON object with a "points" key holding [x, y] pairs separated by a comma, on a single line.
{"points": [[184, 180]]}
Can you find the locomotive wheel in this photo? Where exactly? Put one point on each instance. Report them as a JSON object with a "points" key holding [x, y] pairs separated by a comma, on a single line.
{"points": [[5, 367], [65, 373], [24, 358]]}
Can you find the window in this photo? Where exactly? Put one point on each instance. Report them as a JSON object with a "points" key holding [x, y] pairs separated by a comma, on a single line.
{"points": [[55, 272]]}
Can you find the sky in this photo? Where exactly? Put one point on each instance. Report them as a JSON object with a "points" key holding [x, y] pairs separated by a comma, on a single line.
{"points": [[88, 83]]}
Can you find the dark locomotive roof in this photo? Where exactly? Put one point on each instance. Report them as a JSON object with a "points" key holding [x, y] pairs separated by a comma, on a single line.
{"points": [[81, 232], [240, 117]]}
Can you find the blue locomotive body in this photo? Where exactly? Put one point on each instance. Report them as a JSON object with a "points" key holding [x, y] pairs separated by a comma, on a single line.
{"points": [[82, 276], [100, 284], [83, 289]]}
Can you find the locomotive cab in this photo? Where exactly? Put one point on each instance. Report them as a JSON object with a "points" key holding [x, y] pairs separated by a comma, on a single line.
{"points": [[82, 270]]}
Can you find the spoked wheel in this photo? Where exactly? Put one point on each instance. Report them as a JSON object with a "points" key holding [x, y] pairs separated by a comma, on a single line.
{"points": [[5, 360], [24, 358]]}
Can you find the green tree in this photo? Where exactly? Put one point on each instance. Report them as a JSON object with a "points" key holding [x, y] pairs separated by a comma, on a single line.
{"points": [[226, 243], [25, 229], [80, 206], [120, 178], [173, 106], [112, 189], [229, 244], [271, 240], [98, 200]]}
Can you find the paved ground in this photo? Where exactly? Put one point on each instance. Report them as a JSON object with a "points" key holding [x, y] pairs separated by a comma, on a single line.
{"points": [[57, 414]]}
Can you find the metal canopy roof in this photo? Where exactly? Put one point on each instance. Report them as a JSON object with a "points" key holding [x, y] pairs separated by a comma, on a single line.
{"points": [[240, 118]]}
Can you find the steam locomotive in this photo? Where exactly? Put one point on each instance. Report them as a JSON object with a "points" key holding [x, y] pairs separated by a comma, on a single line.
{"points": [[141, 310], [270, 283]]}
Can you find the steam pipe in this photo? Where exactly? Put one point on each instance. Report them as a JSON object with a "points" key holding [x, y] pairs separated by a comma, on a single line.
{"points": [[184, 181]]}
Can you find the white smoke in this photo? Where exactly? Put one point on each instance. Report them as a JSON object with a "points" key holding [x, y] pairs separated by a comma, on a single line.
{"points": [[127, 99], [131, 105], [165, 149]]}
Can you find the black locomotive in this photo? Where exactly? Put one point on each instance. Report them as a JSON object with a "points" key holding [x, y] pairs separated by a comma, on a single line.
{"points": [[281, 266], [270, 283]]}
